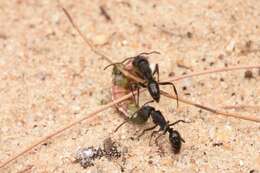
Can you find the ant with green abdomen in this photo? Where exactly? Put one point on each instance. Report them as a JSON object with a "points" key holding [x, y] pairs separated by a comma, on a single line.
{"points": [[143, 114]]}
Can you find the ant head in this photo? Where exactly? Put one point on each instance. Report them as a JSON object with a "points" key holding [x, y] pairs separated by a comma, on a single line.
{"points": [[176, 140], [141, 57], [138, 59], [154, 90]]}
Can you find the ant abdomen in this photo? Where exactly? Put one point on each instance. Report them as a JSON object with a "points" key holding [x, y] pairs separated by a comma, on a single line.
{"points": [[142, 115], [154, 90], [175, 140]]}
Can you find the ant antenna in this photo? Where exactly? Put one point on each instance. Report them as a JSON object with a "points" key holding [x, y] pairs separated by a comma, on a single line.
{"points": [[143, 53], [122, 62], [151, 101], [113, 64], [121, 125], [148, 53], [128, 119]]}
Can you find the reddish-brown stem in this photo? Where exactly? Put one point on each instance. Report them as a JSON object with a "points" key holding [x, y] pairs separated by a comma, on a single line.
{"points": [[240, 107], [213, 71], [98, 52], [88, 117], [254, 118]]}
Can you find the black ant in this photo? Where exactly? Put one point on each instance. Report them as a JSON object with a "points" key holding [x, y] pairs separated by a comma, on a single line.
{"points": [[142, 68], [142, 116]]}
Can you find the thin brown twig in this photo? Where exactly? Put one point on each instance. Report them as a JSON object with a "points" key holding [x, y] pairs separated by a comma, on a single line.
{"points": [[88, 117], [225, 69], [126, 73], [137, 79], [240, 107], [98, 52], [27, 169], [91, 116], [254, 118]]}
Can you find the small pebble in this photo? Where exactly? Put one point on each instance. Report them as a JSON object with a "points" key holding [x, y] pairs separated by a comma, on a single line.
{"points": [[217, 144], [76, 109], [248, 74], [212, 133], [241, 163], [108, 144], [249, 44], [3, 36], [124, 43], [100, 39], [221, 56], [231, 46], [167, 162], [171, 74], [189, 34], [224, 134]]}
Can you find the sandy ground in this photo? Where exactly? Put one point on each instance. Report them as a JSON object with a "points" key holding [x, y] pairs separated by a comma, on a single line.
{"points": [[50, 78]]}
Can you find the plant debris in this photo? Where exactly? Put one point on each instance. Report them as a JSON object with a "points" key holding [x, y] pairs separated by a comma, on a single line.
{"points": [[87, 156]]}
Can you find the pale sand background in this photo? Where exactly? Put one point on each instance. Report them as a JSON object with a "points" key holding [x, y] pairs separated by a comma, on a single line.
{"points": [[50, 78]]}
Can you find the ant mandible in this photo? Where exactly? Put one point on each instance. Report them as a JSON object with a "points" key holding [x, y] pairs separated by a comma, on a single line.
{"points": [[142, 67], [143, 114]]}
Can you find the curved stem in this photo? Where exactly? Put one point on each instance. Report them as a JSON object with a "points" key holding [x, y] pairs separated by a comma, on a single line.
{"points": [[240, 107], [88, 117], [205, 72]]}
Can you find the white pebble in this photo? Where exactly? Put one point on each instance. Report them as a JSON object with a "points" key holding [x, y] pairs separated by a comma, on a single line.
{"points": [[231, 46]]}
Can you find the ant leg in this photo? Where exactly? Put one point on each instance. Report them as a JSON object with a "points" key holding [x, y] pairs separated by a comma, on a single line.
{"points": [[151, 101], [156, 139], [174, 88], [145, 130], [156, 70], [141, 84], [128, 119], [176, 122], [138, 93], [153, 133], [182, 140]]}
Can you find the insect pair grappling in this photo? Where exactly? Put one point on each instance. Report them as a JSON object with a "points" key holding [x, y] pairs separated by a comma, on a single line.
{"points": [[141, 67]]}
